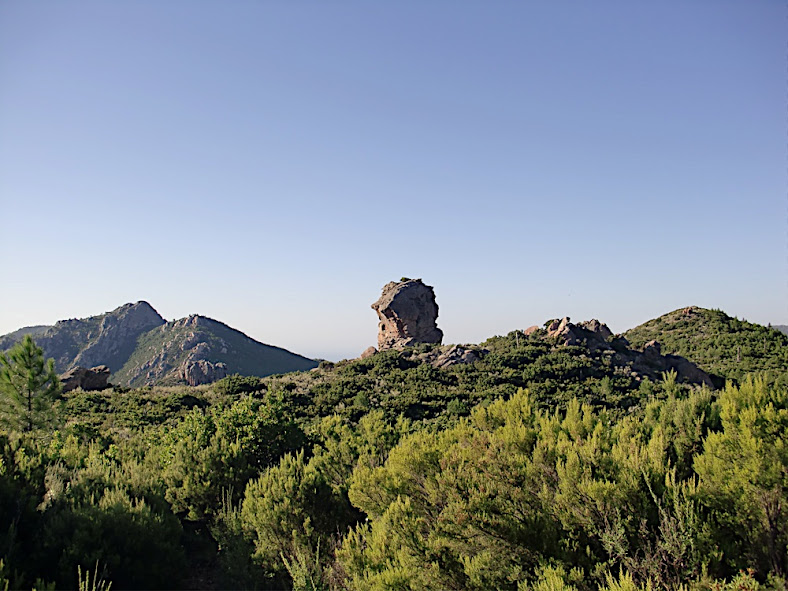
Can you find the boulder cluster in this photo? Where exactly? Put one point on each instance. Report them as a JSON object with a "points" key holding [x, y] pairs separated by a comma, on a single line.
{"points": [[598, 337]]}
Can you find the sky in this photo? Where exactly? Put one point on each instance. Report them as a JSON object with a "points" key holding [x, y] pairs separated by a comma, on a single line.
{"points": [[273, 164]]}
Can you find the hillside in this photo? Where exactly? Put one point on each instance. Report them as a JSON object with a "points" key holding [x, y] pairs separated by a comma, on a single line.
{"points": [[200, 350], [719, 344], [141, 348], [783, 328], [467, 466], [9, 340], [107, 339]]}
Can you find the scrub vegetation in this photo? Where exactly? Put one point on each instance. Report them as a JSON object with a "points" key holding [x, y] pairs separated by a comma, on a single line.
{"points": [[537, 467]]}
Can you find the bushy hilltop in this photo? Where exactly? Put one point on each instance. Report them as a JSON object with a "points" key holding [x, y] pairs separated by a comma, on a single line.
{"points": [[141, 348], [719, 344]]}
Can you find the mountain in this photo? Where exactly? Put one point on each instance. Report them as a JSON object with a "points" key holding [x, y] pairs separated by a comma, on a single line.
{"points": [[142, 348], [9, 340], [200, 350], [719, 344], [783, 328], [107, 339]]}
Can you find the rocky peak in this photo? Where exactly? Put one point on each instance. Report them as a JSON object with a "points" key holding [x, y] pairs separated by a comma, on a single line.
{"points": [[117, 335], [407, 311]]}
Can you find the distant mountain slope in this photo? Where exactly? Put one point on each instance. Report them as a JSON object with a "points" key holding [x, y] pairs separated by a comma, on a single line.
{"points": [[198, 350], [717, 343], [9, 340], [783, 328], [141, 348], [107, 339]]}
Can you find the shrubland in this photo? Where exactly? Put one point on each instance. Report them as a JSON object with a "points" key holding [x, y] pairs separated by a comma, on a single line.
{"points": [[536, 467]]}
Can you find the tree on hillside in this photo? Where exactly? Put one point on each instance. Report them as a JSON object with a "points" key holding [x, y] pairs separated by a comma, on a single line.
{"points": [[28, 385]]}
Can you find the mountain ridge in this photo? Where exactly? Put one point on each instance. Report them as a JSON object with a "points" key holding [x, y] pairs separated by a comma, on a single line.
{"points": [[141, 348]]}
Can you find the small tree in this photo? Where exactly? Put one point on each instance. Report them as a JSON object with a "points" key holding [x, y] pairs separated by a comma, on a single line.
{"points": [[28, 384]]}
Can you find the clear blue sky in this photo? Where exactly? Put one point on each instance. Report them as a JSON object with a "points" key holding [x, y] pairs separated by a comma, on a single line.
{"points": [[273, 164]]}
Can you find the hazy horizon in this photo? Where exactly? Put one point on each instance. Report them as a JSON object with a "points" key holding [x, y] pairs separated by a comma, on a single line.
{"points": [[272, 165]]}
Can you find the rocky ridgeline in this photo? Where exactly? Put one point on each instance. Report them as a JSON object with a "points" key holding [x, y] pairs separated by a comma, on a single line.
{"points": [[107, 339], [140, 348], [198, 350], [597, 337], [407, 312]]}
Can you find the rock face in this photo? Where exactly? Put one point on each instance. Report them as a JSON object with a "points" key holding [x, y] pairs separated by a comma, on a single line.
{"points": [[95, 378], [407, 311], [200, 371], [593, 333]]}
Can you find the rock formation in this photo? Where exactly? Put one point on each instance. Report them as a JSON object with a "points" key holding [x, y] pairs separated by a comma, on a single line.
{"points": [[592, 333], [407, 311], [368, 352], [649, 362], [200, 371], [95, 378], [454, 355]]}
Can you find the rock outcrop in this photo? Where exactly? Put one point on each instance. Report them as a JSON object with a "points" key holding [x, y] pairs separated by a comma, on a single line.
{"points": [[454, 355], [368, 352], [407, 311], [592, 333], [649, 362], [199, 371], [95, 378]]}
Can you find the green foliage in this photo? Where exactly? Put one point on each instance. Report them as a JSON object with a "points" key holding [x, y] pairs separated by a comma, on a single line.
{"points": [[719, 344], [743, 477], [237, 384], [28, 385], [221, 449], [537, 467]]}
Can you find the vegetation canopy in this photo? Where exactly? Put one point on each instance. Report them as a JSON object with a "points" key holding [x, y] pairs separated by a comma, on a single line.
{"points": [[537, 466]]}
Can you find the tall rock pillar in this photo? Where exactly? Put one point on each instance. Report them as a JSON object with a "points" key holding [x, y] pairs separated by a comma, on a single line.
{"points": [[407, 311]]}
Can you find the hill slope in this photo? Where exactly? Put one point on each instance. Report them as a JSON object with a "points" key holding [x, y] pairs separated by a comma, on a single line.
{"points": [[199, 350], [719, 344], [141, 348], [107, 339]]}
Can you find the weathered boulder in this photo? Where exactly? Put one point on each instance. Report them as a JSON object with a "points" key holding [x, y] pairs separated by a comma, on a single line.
{"points": [[200, 371], [95, 378], [368, 352], [407, 311]]}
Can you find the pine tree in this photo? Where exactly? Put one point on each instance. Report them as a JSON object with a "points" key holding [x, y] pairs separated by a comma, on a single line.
{"points": [[28, 385]]}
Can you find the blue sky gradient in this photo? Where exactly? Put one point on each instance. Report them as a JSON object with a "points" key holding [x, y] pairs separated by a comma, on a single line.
{"points": [[274, 164]]}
